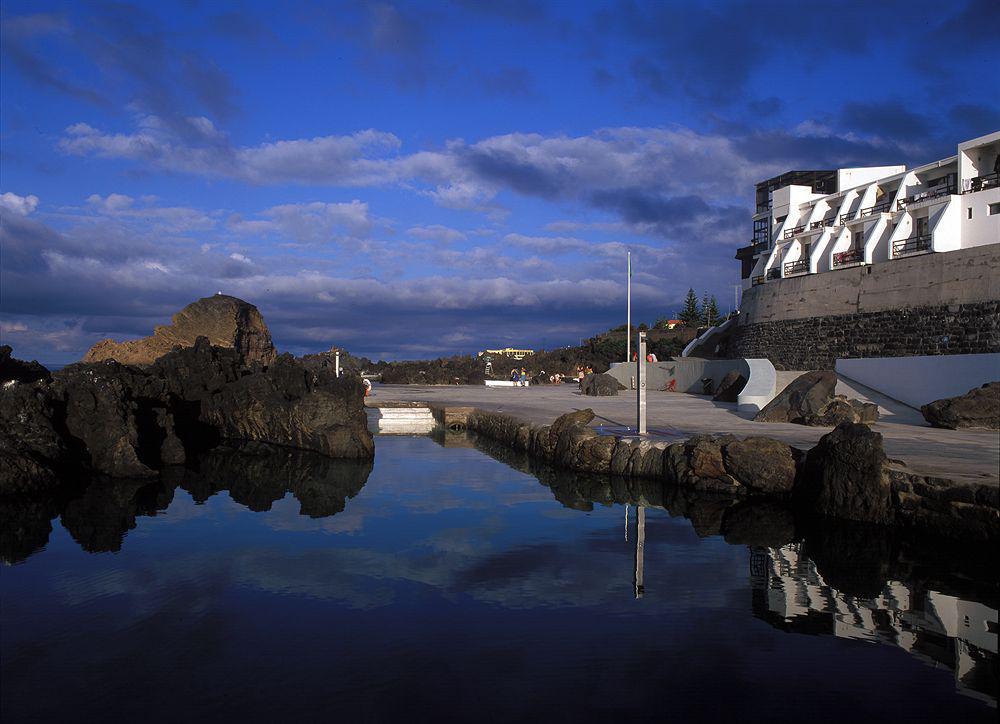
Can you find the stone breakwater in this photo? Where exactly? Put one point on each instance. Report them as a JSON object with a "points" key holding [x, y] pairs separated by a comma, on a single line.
{"points": [[847, 475]]}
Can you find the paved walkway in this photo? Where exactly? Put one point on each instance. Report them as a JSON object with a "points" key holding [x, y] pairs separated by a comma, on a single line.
{"points": [[961, 455]]}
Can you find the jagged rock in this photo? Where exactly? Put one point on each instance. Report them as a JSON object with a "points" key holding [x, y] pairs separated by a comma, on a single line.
{"points": [[845, 476], [730, 387], [979, 407], [287, 405], [33, 452], [698, 463], [18, 370], [810, 400], [600, 385], [806, 396], [762, 465], [226, 322]]}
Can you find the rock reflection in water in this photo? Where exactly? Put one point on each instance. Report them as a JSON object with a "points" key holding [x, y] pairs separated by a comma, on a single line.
{"points": [[852, 586], [99, 517], [790, 592]]}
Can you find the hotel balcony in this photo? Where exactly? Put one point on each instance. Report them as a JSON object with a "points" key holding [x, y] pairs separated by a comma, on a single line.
{"points": [[796, 267], [760, 245], [982, 183], [933, 193], [881, 208], [754, 281], [851, 256], [821, 223], [913, 245], [773, 273], [789, 233]]}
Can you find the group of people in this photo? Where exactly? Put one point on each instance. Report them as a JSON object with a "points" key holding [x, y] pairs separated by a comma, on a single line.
{"points": [[519, 378]]}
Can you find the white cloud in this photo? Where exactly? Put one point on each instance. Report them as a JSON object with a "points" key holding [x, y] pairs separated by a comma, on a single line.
{"points": [[20, 205]]}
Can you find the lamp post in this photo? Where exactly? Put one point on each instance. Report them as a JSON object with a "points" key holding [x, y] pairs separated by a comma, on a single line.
{"points": [[640, 386]]}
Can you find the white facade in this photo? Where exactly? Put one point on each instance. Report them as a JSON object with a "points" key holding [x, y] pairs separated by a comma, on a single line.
{"points": [[880, 214]]}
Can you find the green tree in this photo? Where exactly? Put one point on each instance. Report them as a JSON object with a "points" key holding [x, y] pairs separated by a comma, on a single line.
{"points": [[690, 314], [710, 311]]}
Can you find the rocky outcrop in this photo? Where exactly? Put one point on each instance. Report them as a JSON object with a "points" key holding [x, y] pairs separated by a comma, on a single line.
{"points": [[979, 407], [18, 370], [600, 384], [126, 422], [730, 387], [810, 400], [847, 476], [225, 321]]}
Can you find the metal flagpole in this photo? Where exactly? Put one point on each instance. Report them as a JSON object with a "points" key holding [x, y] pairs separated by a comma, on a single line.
{"points": [[628, 318]]}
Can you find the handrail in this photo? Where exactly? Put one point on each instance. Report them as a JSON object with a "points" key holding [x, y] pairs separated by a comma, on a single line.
{"points": [[982, 183], [911, 245], [943, 190], [877, 208], [754, 281], [774, 273], [845, 217], [796, 267], [851, 256], [792, 232], [821, 223]]}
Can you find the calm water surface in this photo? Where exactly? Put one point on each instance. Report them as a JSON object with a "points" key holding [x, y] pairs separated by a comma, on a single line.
{"points": [[448, 586]]}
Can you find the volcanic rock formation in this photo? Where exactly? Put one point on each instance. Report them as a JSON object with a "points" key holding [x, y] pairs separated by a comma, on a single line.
{"points": [[226, 322], [979, 407], [810, 400]]}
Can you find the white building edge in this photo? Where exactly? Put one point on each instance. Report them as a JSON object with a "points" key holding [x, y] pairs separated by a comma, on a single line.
{"points": [[810, 222]]}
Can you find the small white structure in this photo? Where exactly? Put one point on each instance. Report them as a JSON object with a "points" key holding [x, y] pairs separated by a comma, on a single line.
{"points": [[809, 222]]}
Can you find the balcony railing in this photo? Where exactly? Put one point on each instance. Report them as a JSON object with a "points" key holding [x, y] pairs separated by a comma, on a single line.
{"points": [[851, 256], [774, 273], [789, 233], [796, 267], [982, 183], [844, 218], [759, 246], [937, 191], [912, 245], [754, 281], [821, 223], [877, 208]]}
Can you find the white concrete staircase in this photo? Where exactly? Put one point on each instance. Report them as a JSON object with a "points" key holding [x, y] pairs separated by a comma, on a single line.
{"points": [[400, 420]]}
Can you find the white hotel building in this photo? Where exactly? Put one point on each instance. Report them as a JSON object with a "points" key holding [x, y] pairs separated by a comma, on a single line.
{"points": [[811, 222]]}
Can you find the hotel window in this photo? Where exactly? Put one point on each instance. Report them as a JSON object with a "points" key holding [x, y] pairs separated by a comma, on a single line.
{"points": [[993, 209], [970, 212]]}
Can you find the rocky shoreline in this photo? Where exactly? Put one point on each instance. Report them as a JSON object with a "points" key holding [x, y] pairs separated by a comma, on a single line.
{"points": [[123, 421], [846, 476]]}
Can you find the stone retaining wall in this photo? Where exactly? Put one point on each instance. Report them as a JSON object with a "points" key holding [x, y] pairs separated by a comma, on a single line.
{"points": [[816, 342]]}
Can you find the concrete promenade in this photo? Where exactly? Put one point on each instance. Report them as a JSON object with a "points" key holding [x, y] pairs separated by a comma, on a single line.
{"points": [[959, 455]]}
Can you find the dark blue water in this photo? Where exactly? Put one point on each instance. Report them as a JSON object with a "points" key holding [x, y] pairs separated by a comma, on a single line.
{"points": [[451, 587]]}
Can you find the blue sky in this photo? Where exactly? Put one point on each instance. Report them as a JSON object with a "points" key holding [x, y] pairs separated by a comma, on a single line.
{"points": [[415, 179]]}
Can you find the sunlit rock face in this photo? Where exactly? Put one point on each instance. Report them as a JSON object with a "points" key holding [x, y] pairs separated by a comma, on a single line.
{"points": [[226, 322]]}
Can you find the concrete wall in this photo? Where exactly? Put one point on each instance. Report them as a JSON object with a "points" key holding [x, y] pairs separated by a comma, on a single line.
{"points": [[686, 372], [956, 277], [919, 380]]}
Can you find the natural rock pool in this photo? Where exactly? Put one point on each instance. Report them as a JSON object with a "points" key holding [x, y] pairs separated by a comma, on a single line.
{"points": [[442, 584]]}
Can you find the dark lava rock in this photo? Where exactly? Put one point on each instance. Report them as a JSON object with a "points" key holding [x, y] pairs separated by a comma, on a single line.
{"points": [[698, 464], [128, 422], [762, 465], [730, 387], [18, 370], [577, 418], [226, 322], [810, 400], [806, 396], [844, 476], [600, 385], [979, 407]]}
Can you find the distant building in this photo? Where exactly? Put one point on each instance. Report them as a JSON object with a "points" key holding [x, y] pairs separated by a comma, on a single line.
{"points": [[509, 352], [810, 222], [672, 323]]}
